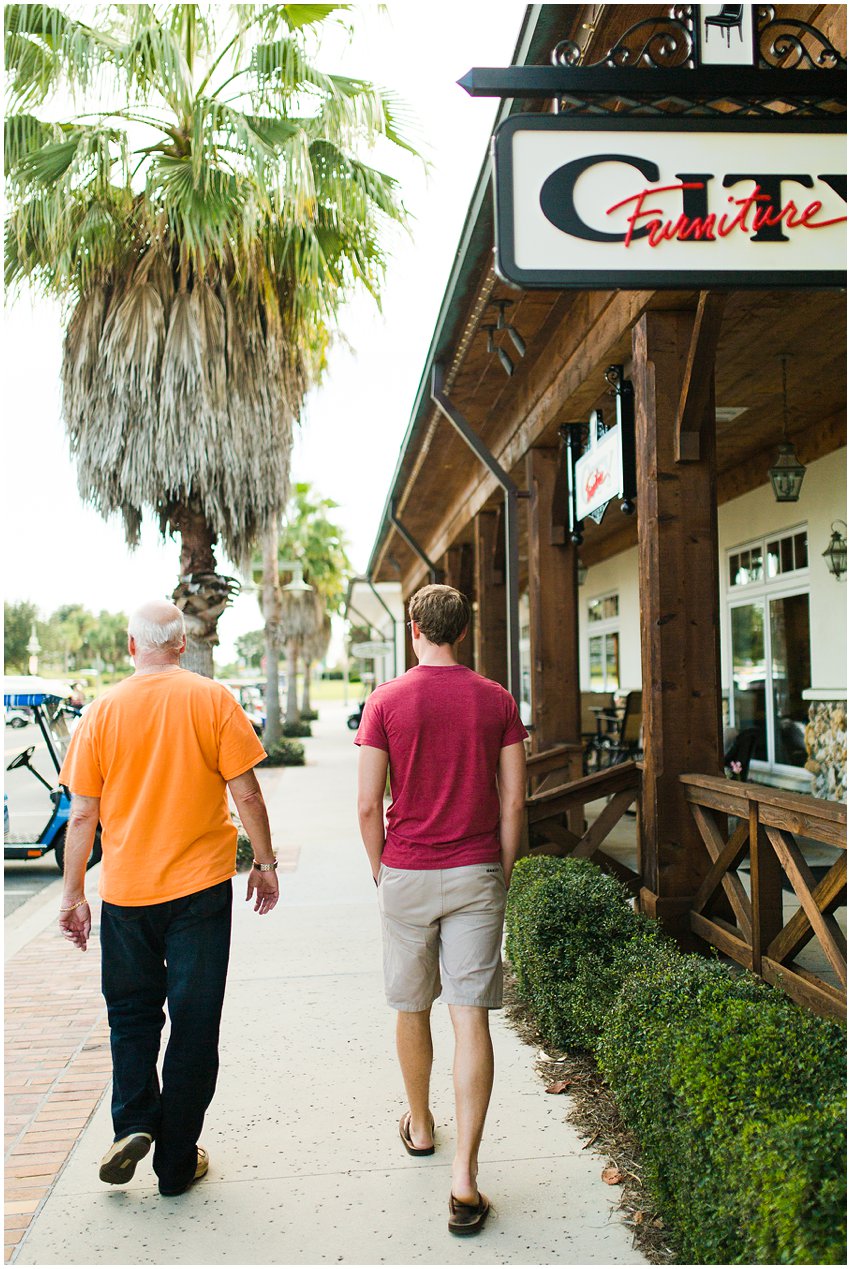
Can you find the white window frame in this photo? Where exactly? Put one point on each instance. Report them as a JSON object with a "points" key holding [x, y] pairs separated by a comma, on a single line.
{"points": [[783, 586], [608, 625]]}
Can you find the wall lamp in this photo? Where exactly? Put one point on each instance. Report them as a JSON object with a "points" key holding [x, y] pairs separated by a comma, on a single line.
{"points": [[513, 333], [786, 473], [836, 555], [504, 359]]}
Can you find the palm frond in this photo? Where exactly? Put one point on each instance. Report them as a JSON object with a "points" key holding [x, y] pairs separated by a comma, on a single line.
{"points": [[45, 47]]}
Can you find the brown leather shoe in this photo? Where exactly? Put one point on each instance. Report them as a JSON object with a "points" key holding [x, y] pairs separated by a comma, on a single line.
{"points": [[405, 1134], [468, 1218]]}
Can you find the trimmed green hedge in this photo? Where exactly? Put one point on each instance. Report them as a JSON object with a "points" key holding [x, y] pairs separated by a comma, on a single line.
{"points": [[735, 1094], [286, 753], [571, 937], [299, 730]]}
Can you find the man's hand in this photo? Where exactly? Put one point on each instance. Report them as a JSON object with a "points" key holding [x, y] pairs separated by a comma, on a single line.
{"points": [[76, 925], [265, 884]]}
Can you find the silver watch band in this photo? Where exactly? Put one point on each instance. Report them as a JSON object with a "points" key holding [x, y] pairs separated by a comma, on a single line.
{"points": [[266, 867]]}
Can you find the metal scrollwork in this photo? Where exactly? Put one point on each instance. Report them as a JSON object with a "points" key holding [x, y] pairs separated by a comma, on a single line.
{"points": [[653, 43], [791, 44]]}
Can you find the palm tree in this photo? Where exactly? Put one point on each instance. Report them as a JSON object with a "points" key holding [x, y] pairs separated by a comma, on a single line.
{"points": [[203, 219], [301, 622]]}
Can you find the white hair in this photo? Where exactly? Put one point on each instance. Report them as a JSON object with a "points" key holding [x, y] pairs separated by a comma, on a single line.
{"points": [[158, 626]]}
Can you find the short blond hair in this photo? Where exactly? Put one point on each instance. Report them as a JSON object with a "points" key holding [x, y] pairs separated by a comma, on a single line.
{"points": [[441, 612]]}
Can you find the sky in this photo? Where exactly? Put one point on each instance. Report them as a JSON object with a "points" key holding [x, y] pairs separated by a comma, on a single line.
{"points": [[57, 551]]}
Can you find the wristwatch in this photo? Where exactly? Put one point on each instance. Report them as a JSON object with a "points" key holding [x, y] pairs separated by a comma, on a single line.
{"points": [[266, 867]]}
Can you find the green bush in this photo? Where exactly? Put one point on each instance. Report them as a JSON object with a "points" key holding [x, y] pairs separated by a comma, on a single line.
{"points": [[299, 729], [244, 851], [734, 1093], [571, 937], [309, 715], [286, 753]]}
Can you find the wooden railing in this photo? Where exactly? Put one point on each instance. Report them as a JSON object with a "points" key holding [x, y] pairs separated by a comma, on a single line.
{"points": [[553, 767], [750, 927], [552, 816]]}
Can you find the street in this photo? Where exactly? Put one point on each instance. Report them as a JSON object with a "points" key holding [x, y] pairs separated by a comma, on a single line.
{"points": [[29, 809]]}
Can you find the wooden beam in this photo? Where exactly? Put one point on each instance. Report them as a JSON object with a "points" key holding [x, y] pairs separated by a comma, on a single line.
{"points": [[827, 894], [611, 813], [826, 928], [766, 891], [679, 609], [553, 612], [696, 413], [805, 988], [725, 855], [491, 643]]}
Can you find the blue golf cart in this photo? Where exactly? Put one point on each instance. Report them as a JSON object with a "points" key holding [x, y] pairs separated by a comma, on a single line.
{"points": [[46, 701]]}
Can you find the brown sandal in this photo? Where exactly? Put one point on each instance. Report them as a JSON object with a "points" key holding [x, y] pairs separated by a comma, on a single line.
{"points": [[405, 1134], [468, 1218]]}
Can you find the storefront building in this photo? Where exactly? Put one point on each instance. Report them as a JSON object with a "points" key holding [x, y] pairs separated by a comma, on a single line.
{"points": [[708, 602]]}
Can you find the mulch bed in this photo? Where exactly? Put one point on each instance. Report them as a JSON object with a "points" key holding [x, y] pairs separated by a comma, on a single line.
{"points": [[592, 1109]]}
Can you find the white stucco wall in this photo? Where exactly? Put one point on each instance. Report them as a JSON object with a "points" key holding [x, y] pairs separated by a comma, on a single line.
{"points": [[823, 499]]}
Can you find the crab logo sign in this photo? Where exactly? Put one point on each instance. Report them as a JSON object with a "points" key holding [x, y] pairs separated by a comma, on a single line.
{"points": [[651, 203], [599, 472]]}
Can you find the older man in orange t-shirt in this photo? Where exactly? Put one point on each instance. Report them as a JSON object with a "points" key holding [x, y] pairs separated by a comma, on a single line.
{"points": [[152, 760]]}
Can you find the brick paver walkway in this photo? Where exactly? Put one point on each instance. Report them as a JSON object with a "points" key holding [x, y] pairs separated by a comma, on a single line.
{"points": [[58, 1062], [57, 1067]]}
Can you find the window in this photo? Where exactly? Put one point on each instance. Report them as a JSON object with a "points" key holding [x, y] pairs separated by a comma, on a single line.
{"points": [[604, 644], [770, 647], [777, 556]]}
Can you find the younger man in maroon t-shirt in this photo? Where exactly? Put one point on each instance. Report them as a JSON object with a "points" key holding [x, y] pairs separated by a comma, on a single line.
{"points": [[454, 745]]}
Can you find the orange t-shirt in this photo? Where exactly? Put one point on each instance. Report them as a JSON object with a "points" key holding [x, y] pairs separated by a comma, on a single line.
{"points": [[157, 750]]}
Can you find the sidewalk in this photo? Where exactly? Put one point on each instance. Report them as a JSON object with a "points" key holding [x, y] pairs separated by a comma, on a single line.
{"points": [[306, 1165]]}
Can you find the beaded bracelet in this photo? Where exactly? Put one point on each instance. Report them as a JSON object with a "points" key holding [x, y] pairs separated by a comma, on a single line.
{"points": [[78, 904]]}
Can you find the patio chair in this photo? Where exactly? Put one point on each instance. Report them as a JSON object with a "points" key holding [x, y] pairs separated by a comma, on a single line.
{"points": [[731, 16], [595, 707], [625, 745]]}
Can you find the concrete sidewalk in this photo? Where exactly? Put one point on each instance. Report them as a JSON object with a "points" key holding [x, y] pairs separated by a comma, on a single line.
{"points": [[306, 1164]]}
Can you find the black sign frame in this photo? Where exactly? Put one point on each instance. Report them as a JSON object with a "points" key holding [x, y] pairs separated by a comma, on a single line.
{"points": [[639, 279]]}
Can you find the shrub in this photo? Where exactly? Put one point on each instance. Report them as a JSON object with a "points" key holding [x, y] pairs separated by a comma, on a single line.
{"points": [[244, 850], [298, 729], [286, 753], [309, 715], [571, 937], [734, 1093], [715, 1074]]}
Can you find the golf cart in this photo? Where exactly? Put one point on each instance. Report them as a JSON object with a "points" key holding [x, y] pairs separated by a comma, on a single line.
{"points": [[46, 700]]}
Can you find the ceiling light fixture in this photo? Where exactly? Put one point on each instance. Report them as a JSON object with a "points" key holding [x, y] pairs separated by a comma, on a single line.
{"points": [[786, 473]]}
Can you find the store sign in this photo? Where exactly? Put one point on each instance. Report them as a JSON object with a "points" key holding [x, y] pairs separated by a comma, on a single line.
{"points": [[656, 203], [599, 472]]}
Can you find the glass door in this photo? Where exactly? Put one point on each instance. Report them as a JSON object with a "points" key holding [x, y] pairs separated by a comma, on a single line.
{"points": [[747, 623], [789, 622]]}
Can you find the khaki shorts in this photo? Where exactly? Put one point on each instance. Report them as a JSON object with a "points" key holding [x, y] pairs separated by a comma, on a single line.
{"points": [[442, 935]]}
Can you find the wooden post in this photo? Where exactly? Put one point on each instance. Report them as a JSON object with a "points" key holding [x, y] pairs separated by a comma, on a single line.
{"points": [[553, 612], [410, 659], [679, 596], [491, 624], [459, 573]]}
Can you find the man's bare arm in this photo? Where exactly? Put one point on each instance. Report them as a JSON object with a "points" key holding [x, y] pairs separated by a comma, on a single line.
{"points": [[76, 922], [511, 779], [372, 781], [251, 808]]}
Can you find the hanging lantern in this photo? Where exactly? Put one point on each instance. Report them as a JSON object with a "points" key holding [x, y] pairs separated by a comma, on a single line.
{"points": [[836, 555], [786, 473]]}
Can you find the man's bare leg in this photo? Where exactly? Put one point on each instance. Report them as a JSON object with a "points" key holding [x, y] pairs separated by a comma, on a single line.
{"points": [[473, 1076], [416, 1052]]}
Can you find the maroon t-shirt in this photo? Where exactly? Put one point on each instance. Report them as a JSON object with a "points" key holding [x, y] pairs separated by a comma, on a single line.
{"points": [[443, 727]]}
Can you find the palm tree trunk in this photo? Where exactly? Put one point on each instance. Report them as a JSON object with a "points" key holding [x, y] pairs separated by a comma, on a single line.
{"points": [[202, 594], [272, 626], [292, 672], [305, 691]]}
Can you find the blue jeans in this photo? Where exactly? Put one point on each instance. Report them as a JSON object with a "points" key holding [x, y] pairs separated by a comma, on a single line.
{"points": [[175, 952]]}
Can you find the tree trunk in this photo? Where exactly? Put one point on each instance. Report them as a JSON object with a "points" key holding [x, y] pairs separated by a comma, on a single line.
{"points": [[201, 594], [272, 619], [292, 673], [306, 708]]}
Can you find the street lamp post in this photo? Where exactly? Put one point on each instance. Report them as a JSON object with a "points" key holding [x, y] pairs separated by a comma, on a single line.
{"points": [[33, 648]]}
